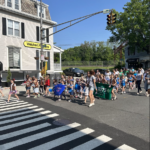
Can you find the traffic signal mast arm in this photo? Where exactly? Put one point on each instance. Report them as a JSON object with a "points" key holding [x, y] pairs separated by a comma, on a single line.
{"points": [[84, 17]]}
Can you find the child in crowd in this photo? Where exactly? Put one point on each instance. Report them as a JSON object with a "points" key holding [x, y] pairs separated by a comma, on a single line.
{"points": [[71, 92], [113, 84], [130, 81], [86, 92], [28, 87], [41, 85], [63, 93], [77, 88], [36, 88], [123, 83], [117, 83], [12, 91]]}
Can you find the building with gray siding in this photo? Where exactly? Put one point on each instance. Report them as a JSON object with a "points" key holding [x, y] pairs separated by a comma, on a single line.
{"points": [[136, 59]]}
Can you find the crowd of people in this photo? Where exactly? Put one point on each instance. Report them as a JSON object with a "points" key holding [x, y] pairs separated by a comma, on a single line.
{"points": [[120, 81]]}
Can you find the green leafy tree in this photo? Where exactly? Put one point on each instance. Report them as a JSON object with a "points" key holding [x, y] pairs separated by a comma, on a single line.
{"points": [[8, 75], [132, 25]]}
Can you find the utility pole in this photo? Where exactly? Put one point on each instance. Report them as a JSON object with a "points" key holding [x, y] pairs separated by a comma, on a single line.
{"points": [[41, 31]]}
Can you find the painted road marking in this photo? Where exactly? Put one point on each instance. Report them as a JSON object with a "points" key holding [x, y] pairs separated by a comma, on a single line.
{"points": [[27, 122], [93, 143]]}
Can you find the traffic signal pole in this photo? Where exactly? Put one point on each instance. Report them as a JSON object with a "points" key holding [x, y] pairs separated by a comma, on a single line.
{"points": [[41, 31]]}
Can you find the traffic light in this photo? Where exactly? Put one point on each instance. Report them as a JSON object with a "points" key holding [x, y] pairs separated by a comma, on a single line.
{"points": [[113, 18], [109, 19]]}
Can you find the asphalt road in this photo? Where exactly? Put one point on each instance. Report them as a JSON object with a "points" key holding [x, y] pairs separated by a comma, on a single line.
{"points": [[35, 124]]}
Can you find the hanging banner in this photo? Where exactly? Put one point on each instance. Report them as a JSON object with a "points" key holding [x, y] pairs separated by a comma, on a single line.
{"points": [[103, 91], [37, 45]]}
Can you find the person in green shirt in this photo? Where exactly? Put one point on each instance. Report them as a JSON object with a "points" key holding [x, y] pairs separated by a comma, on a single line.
{"points": [[125, 72], [121, 72]]}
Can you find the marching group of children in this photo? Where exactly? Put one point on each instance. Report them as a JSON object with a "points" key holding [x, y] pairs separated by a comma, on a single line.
{"points": [[79, 87]]}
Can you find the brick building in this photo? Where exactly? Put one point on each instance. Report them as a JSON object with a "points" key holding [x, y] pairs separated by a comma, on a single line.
{"points": [[20, 39]]}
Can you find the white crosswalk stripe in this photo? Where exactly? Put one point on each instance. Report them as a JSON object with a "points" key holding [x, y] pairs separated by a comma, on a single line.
{"points": [[25, 117], [15, 107], [27, 130], [27, 122], [13, 102], [93, 143], [125, 147], [18, 111], [21, 113], [10, 105], [63, 140], [38, 136]]}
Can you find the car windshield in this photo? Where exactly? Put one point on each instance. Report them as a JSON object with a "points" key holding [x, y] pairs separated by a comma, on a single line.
{"points": [[76, 69]]}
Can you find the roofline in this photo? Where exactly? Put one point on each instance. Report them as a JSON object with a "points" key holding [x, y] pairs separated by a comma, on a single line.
{"points": [[58, 48], [26, 15]]}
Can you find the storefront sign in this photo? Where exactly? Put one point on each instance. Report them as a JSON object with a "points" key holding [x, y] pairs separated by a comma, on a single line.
{"points": [[36, 45]]}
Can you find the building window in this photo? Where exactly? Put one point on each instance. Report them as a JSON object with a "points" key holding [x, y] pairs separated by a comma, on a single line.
{"points": [[14, 57], [9, 3], [43, 11], [15, 4], [13, 28]]}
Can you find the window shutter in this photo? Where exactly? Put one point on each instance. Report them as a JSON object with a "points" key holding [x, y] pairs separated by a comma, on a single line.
{"points": [[37, 61], [4, 30], [22, 30], [48, 64], [47, 34], [37, 33]]}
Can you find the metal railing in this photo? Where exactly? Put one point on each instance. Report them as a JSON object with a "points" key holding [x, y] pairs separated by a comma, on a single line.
{"points": [[57, 67], [90, 63]]}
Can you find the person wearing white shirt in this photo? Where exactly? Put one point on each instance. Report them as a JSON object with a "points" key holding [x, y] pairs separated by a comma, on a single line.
{"points": [[142, 70], [139, 78], [117, 72]]}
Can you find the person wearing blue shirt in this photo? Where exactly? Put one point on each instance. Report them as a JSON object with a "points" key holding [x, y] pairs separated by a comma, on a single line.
{"points": [[123, 83], [71, 92], [117, 83], [130, 80]]}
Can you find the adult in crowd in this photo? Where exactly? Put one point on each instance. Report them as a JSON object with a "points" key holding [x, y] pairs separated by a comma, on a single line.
{"points": [[117, 72], [139, 78], [147, 80], [92, 85], [107, 76], [97, 73], [121, 73], [47, 85], [142, 71], [125, 72]]}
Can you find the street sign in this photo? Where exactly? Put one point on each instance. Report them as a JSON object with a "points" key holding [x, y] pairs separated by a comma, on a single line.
{"points": [[105, 11], [44, 45]]}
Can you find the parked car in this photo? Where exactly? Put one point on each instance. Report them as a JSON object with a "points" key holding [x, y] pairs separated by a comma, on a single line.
{"points": [[74, 72]]}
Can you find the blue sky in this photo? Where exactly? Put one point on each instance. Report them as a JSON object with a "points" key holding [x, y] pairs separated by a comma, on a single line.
{"points": [[90, 29]]}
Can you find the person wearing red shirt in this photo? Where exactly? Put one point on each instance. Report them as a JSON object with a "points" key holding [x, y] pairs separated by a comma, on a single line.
{"points": [[47, 85]]}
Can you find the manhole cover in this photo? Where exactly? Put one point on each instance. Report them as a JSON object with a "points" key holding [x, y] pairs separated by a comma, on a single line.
{"points": [[61, 122]]}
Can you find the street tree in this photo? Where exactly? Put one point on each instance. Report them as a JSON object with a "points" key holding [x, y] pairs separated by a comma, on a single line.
{"points": [[132, 25]]}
